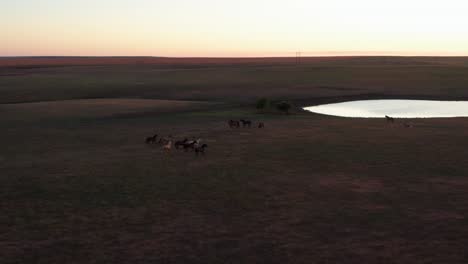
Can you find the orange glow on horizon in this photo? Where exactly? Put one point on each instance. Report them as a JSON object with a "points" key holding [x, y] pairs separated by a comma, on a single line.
{"points": [[255, 28]]}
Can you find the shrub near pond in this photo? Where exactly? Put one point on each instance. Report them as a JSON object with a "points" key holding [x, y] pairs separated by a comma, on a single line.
{"points": [[284, 107], [263, 104]]}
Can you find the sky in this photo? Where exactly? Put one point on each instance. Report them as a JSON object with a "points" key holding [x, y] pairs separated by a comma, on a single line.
{"points": [[235, 28]]}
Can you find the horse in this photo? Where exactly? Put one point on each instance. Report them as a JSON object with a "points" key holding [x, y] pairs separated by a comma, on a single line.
{"points": [[189, 145], [192, 144], [246, 123], [261, 125], [233, 124], [168, 146], [151, 140], [201, 149], [180, 143], [390, 119]]}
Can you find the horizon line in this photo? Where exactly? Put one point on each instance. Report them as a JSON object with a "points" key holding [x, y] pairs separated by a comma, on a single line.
{"points": [[220, 57]]}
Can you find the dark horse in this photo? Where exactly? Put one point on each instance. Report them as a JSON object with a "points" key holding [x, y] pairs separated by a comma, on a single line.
{"points": [[179, 144], [189, 145], [390, 119], [151, 140], [233, 124], [246, 123], [261, 125], [201, 149]]}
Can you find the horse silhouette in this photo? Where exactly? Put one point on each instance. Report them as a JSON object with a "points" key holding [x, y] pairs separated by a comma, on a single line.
{"points": [[390, 119]]}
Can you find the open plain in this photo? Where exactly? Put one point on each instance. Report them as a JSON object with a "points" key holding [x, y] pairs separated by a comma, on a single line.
{"points": [[78, 184]]}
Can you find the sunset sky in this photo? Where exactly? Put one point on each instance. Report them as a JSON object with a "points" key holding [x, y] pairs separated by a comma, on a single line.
{"points": [[215, 28]]}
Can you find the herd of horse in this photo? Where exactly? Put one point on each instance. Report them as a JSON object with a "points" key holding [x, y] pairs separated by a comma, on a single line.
{"points": [[245, 123], [194, 145]]}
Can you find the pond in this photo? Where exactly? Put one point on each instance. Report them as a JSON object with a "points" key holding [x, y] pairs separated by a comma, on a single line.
{"points": [[394, 108]]}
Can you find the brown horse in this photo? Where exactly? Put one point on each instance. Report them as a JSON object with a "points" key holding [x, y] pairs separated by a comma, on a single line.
{"points": [[168, 146], [261, 125]]}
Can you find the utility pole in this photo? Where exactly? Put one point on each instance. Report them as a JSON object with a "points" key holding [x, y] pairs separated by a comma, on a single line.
{"points": [[298, 57]]}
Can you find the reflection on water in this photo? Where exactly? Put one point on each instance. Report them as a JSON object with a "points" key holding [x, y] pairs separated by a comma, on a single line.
{"points": [[394, 108]]}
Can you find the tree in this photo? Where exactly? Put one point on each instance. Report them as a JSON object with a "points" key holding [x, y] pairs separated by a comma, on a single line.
{"points": [[284, 107]]}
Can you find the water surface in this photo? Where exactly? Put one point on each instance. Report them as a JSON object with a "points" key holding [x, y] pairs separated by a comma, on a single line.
{"points": [[394, 108]]}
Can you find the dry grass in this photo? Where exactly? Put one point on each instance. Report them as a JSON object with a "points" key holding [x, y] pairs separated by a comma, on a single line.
{"points": [[78, 184], [240, 80], [38, 62], [94, 108], [306, 189]]}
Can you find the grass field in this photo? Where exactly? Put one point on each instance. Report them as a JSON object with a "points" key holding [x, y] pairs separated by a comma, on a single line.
{"points": [[236, 80], [78, 184]]}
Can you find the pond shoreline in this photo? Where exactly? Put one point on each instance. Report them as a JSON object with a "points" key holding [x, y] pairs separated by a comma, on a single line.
{"points": [[301, 103], [397, 108]]}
